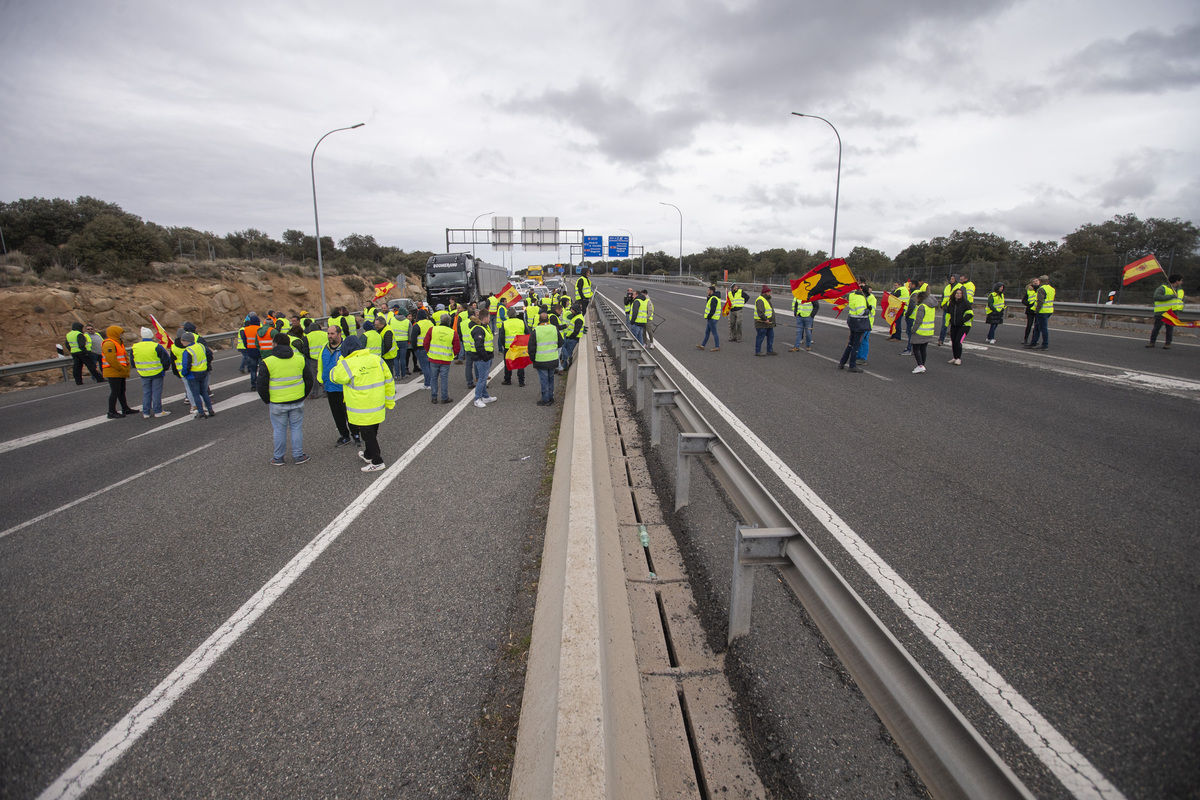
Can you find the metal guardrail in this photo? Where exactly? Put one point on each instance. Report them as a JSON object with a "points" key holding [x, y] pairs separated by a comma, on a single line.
{"points": [[65, 363], [1102, 310], [945, 749]]}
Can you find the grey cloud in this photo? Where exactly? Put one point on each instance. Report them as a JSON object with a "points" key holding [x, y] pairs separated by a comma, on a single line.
{"points": [[1134, 178], [1145, 62]]}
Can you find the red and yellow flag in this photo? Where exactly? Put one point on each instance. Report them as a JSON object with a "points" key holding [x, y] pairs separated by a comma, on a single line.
{"points": [[1140, 269], [839, 303], [725, 309], [517, 356], [1171, 318], [160, 333], [893, 310], [508, 295], [827, 280], [383, 288]]}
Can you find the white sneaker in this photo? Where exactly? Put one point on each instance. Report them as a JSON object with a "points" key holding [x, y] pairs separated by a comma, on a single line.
{"points": [[479, 404], [163, 414], [373, 467], [490, 399], [951, 361], [958, 362], [918, 369]]}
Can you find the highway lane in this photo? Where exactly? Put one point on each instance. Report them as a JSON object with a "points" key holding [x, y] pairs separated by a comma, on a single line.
{"points": [[1043, 512], [367, 676]]}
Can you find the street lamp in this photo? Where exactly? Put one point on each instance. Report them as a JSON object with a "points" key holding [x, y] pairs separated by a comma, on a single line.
{"points": [[838, 190], [643, 249], [316, 219], [672, 205], [484, 214]]}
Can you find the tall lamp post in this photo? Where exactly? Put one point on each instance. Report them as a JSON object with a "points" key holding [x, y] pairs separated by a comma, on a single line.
{"points": [[484, 214], [838, 190], [316, 219], [672, 205], [626, 230]]}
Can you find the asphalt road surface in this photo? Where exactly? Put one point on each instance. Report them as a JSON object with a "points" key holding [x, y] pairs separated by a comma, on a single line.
{"points": [[1042, 503], [219, 626]]}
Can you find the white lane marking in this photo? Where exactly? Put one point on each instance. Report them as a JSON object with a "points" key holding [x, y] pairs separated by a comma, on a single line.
{"points": [[82, 425], [99, 492], [80, 776], [1069, 765], [232, 402], [1146, 380]]}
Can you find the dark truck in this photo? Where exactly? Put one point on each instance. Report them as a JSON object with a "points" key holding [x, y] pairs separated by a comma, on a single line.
{"points": [[461, 277]]}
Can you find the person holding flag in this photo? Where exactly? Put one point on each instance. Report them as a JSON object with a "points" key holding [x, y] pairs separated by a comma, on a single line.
{"points": [[864, 346], [514, 339], [1168, 299], [858, 320], [902, 292]]}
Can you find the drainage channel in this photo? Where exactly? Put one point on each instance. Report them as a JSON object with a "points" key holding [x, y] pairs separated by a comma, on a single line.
{"points": [[695, 743]]}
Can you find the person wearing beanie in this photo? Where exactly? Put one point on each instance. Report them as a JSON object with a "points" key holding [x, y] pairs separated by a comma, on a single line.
{"points": [[114, 364], [369, 392], [79, 347], [247, 344], [764, 322], [151, 360], [194, 368]]}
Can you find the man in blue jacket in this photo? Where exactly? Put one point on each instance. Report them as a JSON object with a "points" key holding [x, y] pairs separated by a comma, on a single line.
{"points": [[327, 360]]}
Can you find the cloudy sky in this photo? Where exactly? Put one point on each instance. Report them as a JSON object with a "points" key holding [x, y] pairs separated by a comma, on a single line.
{"points": [[1026, 119]]}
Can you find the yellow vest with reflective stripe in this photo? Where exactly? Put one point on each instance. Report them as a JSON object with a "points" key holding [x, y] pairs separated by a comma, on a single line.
{"points": [[763, 309], [1048, 301], [583, 288], [642, 314], [1172, 302], [199, 357], [423, 326], [145, 359], [513, 327], [286, 383], [802, 310], [367, 387], [737, 299], [441, 344], [317, 339], [78, 340], [374, 341], [856, 305], [489, 341], [927, 322], [546, 337]]}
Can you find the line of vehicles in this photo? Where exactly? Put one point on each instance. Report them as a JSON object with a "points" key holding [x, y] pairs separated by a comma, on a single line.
{"points": [[463, 278]]}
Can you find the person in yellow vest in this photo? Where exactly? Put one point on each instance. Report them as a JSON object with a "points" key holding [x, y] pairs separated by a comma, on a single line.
{"points": [[462, 321], [369, 393], [804, 314], [764, 322], [114, 364], [995, 311], [583, 289], [639, 316], [493, 309], [417, 343], [573, 329], [901, 292], [712, 313], [1168, 297], [401, 327], [947, 291], [316, 337], [544, 345], [872, 303], [925, 312], [915, 287], [513, 327], [194, 368], [649, 320], [858, 316], [441, 345], [737, 301], [960, 314], [1029, 300], [284, 380], [151, 360], [79, 347], [1044, 308], [483, 346]]}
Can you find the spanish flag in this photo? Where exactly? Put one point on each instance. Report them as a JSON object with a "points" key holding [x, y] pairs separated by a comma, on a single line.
{"points": [[383, 288], [508, 295], [893, 310], [1140, 269], [826, 281], [839, 303], [725, 309], [160, 333], [1172, 319], [517, 356]]}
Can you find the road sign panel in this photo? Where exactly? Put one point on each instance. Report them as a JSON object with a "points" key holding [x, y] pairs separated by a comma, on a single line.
{"points": [[618, 247], [593, 246]]}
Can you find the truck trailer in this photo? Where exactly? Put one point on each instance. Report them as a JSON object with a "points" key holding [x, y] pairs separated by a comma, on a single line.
{"points": [[462, 278]]}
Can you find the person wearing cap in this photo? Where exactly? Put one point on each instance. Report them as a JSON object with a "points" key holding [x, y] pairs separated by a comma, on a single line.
{"points": [[1044, 308], [114, 364], [369, 393], [194, 368], [764, 322], [151, 360], [737, 301], [79, 346], [712, 313], [284, 380]]}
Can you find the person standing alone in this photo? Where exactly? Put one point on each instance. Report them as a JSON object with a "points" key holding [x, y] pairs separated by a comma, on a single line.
{"points": [[1168, 297]]}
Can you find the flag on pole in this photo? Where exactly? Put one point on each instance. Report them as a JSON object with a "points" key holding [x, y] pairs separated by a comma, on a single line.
{"points": [[1140, 269], [827, 280], [893, 310], [839, 303], [160, 333], [725, 309], [508, 295], [517, 356], [1171, 318], [383, 288]]}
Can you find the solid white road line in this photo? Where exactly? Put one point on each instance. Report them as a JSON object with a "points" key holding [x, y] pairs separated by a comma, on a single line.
{"points": [[224, 405], [1069, 765], [99, 492], [122, 736]]}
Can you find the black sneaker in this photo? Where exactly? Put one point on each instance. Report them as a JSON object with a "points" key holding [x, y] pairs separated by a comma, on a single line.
{"points": [[447, 400], [434, 401], [543, 402], [507, 383], [342, 441]]}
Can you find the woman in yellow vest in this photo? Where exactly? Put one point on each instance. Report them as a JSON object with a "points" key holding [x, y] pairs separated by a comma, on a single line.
{"points": [[925, 312], [995, 311], [369, 392]]}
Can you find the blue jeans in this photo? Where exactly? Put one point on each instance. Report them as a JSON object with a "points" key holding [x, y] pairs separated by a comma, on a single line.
{"points": [[851, 351], [482, 368], [423, 363], [546, 376], [864, 347], [246, 361], [438, 375], [1041, 327], [285, 417], [710, 329], [638, 332], [945, 329], [402, 361], [992, 330], [764, 333], [200, 391], [252, 357], [804, 331], [568, 350], [152, 394]]}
